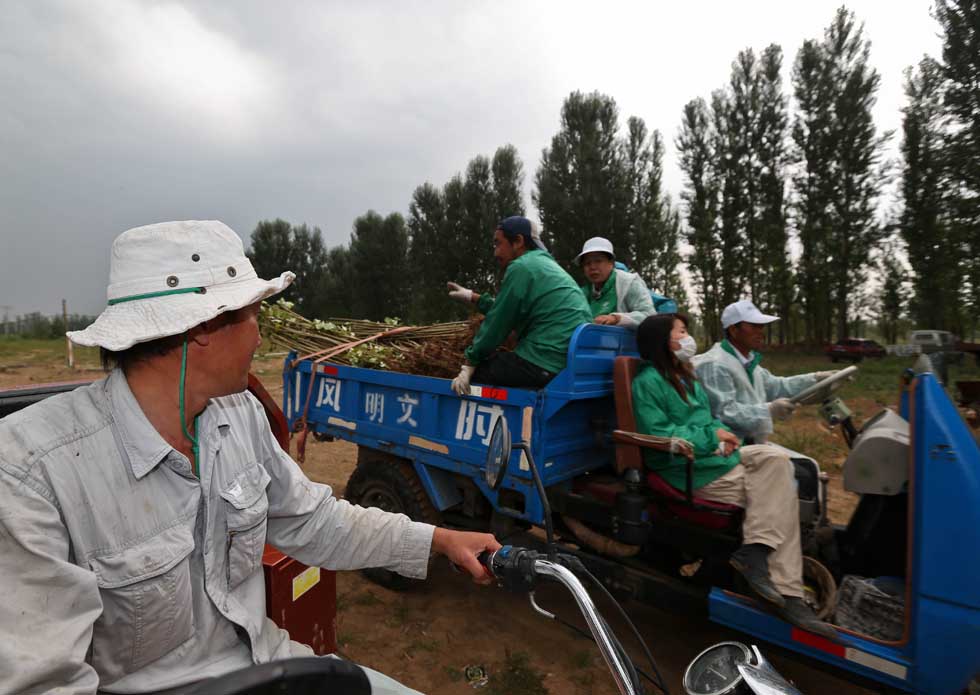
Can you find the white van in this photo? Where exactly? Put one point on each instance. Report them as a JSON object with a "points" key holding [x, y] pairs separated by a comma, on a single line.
{"points": [[936, 341], [933, 341]]}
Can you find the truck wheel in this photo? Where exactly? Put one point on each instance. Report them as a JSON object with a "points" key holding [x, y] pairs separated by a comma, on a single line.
{"points": [[391, 485]]}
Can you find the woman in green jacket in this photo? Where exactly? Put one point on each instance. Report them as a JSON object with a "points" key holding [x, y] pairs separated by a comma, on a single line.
{"points": [[669, 402]]}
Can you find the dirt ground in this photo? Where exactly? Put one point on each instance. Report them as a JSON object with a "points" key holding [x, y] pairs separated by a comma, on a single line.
{"points": [[427, 636]]}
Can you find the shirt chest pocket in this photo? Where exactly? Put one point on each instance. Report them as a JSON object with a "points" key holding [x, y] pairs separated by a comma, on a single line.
{"points": [[246, 519], [146, 603]]}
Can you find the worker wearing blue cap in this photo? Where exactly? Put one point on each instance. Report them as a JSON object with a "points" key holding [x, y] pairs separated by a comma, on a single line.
{"points": [[538, 300]]}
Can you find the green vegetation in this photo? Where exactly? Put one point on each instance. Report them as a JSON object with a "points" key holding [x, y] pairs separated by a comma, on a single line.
{"points": [[516, 675], [365, 599], [16, 350], [581, 659]]}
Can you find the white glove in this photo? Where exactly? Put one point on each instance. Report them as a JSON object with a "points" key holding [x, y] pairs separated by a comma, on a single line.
{"points": [[460, 294], [820, 376], [781, 408], [461, 384]]}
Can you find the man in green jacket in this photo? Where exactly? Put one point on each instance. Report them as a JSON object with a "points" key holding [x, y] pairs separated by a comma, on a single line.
{"points": [[538, 300]]}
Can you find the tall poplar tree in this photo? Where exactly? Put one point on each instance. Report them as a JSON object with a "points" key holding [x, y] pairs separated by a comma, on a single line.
{"points": [[838, 152], [379, 272], [579, 186], [428, 256], [925, 224], [960, 24], [695, 145], [892, 295], [774, 283], [650, 244], [277, 245], [335, 297]]}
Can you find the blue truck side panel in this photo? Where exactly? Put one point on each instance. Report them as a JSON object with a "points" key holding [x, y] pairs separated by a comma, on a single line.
{"points": [[422, 420]]}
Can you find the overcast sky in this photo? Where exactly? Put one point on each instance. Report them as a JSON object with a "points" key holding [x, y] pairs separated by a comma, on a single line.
{"points": [[122, 113]]}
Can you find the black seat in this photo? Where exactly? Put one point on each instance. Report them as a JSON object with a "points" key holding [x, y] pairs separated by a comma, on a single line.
{"points": [[300, 676]]}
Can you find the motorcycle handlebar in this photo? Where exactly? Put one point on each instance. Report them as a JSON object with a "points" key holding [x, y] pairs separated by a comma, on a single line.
{"points": [[518, 570]]}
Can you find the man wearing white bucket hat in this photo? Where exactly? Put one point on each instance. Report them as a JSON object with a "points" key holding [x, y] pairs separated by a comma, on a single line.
{"points": [[134, 511], [616, 297], [744, 395]]}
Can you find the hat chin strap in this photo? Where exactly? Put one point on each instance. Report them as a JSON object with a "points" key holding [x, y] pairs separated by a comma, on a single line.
{"points": [[183, 421], [183, 366]]}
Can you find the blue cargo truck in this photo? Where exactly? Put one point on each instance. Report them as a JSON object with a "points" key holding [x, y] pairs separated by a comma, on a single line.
{"points": [[916, 530]]}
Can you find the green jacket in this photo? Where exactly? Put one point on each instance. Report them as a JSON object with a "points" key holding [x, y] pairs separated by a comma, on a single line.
{"points": [[539, 301], [662, 412]]}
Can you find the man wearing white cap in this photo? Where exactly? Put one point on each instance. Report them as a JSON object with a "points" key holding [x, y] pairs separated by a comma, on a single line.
{"points": [[134, 511], [744, 395], [616, 297]]}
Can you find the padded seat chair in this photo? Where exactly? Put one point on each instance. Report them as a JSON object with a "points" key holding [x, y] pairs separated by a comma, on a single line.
{"points": [[629, 444]]}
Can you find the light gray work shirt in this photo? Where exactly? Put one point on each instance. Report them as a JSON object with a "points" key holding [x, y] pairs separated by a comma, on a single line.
{"points": [[123, 573]]}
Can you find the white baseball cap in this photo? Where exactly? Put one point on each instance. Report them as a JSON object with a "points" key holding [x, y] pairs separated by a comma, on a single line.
{"points": [[166, 278], [744, 310], [596, 244]]}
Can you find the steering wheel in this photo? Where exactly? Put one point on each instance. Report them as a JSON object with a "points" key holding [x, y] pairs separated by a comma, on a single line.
{"points": [[824, 388]]}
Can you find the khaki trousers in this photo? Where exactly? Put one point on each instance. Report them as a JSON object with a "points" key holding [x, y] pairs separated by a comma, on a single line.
{"points": [[763, 485]]}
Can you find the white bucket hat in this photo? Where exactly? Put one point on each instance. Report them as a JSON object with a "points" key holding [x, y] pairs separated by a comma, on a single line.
{"points": [[166, 278], [596, 244], [744, 310]]}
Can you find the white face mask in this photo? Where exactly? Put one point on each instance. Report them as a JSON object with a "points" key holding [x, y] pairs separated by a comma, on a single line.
{"points": [[688, 349]]}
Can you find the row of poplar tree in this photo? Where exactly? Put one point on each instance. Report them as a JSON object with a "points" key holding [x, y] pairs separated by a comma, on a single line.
{"points": [[782, 200]]}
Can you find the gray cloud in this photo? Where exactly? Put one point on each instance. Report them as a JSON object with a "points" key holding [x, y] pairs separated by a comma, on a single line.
{"points": [[124, 113]]}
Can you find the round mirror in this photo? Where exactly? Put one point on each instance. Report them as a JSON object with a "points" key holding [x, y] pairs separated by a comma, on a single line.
{"points": [[498, 453]]}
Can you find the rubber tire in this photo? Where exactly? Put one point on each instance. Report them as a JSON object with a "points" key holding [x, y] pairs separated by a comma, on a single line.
{"points": [[390, 484]]}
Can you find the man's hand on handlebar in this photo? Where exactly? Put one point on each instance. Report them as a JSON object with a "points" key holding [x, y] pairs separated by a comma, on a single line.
{"points": [[462, 549]]}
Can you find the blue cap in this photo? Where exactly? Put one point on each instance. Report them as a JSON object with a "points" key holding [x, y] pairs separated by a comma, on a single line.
{"points": [[512, 226]]}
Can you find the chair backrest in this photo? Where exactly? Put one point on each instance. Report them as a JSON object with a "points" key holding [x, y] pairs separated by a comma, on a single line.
{"points": [[624, 371]]}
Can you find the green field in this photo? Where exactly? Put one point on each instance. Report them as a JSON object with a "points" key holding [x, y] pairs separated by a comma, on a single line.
{"points": [[30, 352], [877, 379]]}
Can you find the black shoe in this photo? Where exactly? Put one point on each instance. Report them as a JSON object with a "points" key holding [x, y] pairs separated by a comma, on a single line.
{"points": [[752, 562], [798, 613]]}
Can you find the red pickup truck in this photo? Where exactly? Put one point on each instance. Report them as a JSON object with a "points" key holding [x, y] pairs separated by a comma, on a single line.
{"points": [[854, 349]]}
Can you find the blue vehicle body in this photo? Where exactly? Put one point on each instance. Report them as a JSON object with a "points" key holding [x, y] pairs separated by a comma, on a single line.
{"points": [[421, 420], [940, 648], [444, 436]]}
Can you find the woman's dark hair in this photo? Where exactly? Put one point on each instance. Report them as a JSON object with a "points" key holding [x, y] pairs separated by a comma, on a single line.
{"points": [[653, 341]]}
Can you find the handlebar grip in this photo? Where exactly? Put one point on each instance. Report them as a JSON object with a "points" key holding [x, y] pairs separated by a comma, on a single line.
{"points": [[486, 559]]}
